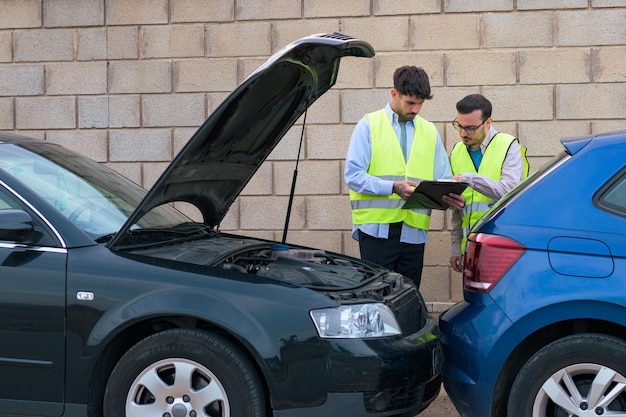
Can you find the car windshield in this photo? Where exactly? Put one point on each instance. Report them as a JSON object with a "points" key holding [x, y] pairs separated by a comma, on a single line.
{"points": [[93, 197]]}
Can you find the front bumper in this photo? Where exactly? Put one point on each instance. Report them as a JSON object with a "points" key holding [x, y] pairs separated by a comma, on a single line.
{"points": [[472, 355], [380, 377]]}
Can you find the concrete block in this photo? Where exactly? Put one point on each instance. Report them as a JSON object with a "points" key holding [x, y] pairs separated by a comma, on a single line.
{"points": [[173, 110], [68, 13], [551, 4], [607, 3], [172, 41], [93, 112], [124, 12], [437, 220], [44, 45], [45, 113], [489, 68], [238, 39], [140, 77], [262, 182], [502, 30], [607, 64], [21, 80], [212, 74], [554, 67], [325, 110], [124, 111], [123, 42], [149, 145], [350, 245], [543, 138], [188, 210], [314, 177], [355, 73], [410, 7], [6, 47], [328, 141], [268, 212], [151, 172], [592, 27], [384, 33], [76, 78], [435, 285], [520, 103], [246, 66], [286, 31], [437, 250], [287, 148], [313, 8], [202, 11], [356, 103], [92, 44], [447, 32], [91, 143], [601, 126], [231, 220], [6, 113], [477, 6], [130, 170], [268, 9], [328, 213], [17, 14], [601, 101]]}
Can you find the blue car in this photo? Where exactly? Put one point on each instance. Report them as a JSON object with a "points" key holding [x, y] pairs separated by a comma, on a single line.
{"points": [[542, 327]]}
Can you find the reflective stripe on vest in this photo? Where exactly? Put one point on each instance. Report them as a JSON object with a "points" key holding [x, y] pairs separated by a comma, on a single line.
{"points": [[387, 162], [477, 204]]}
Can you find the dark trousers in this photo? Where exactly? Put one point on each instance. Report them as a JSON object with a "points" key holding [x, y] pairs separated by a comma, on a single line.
{"points": [[404, 258]]}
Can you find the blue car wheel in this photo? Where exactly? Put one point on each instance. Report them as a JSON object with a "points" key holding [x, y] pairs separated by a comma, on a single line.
{"points": [[582, 375]]}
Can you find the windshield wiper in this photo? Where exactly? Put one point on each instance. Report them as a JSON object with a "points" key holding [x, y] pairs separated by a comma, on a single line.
{"points": [[104, 238]]}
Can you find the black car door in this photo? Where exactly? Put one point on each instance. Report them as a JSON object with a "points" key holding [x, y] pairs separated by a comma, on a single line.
{"points": [[32, 313]]}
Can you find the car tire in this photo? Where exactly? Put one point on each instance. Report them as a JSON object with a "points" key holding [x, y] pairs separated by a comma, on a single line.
{"points": [[184, 372], [580, 375]]}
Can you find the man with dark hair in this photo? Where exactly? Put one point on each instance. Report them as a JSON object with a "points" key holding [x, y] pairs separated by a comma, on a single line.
{"points": [[491, 162], [390, 151]]}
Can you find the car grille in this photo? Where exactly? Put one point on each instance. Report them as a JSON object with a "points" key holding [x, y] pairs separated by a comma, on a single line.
{"points": [[408, 310]]}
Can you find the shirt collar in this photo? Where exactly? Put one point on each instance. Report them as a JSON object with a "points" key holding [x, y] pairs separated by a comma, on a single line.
{"points": [[492, 132], [393, 116]]}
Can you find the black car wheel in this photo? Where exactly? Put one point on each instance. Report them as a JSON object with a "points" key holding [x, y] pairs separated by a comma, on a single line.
{"points": [[581, 375], [183, 373]]}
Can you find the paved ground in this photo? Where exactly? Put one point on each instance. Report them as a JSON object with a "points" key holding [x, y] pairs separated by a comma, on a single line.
{"points": [[441, 407]]}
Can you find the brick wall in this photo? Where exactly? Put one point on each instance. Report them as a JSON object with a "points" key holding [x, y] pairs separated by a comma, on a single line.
{"points": [[102, 77]]}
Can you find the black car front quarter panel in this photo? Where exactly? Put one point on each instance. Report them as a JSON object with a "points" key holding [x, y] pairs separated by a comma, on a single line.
{"points": [[131, 300]]}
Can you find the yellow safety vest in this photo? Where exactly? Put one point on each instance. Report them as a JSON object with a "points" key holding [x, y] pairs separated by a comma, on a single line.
{"points": [[387, 162], [477, 204]]}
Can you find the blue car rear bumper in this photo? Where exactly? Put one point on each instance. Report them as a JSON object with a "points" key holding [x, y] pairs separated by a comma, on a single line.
{"points": [[472, 357]]}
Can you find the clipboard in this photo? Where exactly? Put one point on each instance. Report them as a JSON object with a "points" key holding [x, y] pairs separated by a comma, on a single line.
{"points": [[428, 194]]}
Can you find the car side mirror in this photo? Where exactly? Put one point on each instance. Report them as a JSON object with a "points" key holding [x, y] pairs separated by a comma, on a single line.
{"points": [[15, 225]]}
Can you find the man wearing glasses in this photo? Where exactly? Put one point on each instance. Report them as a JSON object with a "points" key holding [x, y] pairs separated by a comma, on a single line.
{"points": [[491, 162]]}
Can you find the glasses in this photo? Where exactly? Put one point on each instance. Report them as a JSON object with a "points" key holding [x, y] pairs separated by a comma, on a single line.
{"points": [[470, 130]]}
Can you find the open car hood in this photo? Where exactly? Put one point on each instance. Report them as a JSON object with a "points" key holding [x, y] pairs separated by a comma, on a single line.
{"points": [[229, 147]]}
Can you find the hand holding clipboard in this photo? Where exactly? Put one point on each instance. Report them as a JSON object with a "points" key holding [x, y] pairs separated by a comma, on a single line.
{"points": [[429, 194]]}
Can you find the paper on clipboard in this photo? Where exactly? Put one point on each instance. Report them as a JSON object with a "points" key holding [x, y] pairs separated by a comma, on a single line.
{"points": [[428, 194]]}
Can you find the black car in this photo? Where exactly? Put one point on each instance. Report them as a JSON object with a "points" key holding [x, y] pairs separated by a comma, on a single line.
{"points": [[113, 303]]}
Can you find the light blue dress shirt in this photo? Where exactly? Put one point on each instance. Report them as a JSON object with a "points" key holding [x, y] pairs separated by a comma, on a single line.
{"points": [[356, 176]]}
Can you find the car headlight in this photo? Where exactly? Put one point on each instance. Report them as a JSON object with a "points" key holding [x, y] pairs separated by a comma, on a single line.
{"points": [[355, 321]]}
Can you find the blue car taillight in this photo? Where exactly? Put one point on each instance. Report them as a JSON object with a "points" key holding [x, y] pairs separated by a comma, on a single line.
{"points": [[487, 260]]}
